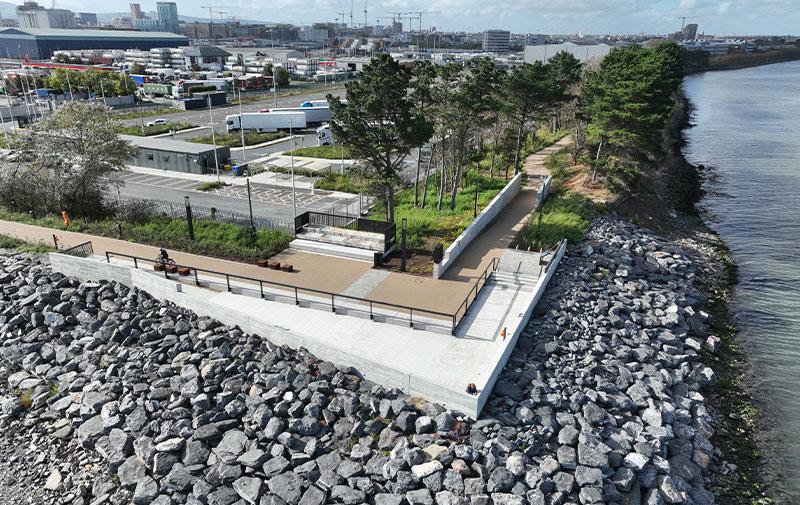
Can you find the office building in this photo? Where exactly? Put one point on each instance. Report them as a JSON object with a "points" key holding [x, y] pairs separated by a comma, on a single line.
{"points": [[136, 12], [497, 41], [32, 15], [87, 19], [689, 32], [167, 14]]}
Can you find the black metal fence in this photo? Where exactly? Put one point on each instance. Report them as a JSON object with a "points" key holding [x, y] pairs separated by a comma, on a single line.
{"points": [[83, 250], [388, 230], [141, 209]]}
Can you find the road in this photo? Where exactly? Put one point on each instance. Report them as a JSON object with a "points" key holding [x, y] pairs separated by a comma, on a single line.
{"points": [[270, 202]]}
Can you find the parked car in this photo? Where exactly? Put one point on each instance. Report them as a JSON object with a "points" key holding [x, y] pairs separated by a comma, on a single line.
{"points": [[159, 121]]}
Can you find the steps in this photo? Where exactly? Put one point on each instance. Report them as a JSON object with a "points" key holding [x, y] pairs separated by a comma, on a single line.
{"points": [[515, 280], [339, 251], [343, 237]]}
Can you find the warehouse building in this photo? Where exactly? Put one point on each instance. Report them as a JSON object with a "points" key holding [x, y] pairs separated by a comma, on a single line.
{"points": [[176, 155], [39, 44]]}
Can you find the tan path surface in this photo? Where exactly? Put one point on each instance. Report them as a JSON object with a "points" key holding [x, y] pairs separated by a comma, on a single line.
{"points": [[489, 244], [317, 271]]}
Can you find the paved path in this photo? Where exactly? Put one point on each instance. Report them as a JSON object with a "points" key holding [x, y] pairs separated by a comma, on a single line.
{"points": [[499, 235]]}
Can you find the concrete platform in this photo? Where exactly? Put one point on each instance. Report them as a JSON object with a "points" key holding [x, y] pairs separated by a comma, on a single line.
{"points": [[419, 361]]}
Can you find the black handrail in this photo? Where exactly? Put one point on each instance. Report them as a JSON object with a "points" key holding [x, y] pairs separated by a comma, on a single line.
{"points": [[485, 276], [296, 289], [83, 250]]}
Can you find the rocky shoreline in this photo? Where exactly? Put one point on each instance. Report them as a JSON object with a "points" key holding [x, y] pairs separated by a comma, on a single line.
{"points": [[110, 396]]}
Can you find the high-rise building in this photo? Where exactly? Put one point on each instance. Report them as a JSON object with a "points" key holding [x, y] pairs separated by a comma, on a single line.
{"points": [[689, 32], [497, 41], [136, 12], [32, 15], [167, 16]]}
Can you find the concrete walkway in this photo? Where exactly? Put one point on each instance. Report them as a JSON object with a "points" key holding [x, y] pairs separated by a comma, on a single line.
{"points": [[498, 236]]}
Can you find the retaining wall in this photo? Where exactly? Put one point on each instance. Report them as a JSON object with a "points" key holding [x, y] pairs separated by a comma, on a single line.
{"points": [[484, 219]]}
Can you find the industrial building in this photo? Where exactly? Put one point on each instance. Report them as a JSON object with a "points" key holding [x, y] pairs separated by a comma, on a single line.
{"points": [[497, 41], [38, 44], [176, 155]]}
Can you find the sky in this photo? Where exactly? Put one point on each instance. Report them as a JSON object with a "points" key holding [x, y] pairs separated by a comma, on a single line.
{"points": [[520, 16]]}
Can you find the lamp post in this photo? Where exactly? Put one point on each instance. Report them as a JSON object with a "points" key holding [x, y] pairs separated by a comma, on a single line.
{"points": [[214, 135], [294, 201], [241, 130]]}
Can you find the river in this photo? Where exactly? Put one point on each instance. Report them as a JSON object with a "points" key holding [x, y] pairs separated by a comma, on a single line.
{"points": [[746, 126]]}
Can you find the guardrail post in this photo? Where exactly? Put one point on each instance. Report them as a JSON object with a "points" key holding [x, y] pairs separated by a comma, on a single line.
{"points": [[333, 307], [196, 280], [228, 281], [453, 330], [296, 299], [370, 310], [166, 274], [411, 318], [108, 258], [261, 287], [135, 263]]}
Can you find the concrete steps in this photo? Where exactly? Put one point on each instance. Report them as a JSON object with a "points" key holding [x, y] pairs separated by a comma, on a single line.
{"points": [[512, 279], [339, 251], [343, 237]]}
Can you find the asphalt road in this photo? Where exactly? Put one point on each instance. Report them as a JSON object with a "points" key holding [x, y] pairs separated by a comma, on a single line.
{"points": [[271, 202], [201, 116]]}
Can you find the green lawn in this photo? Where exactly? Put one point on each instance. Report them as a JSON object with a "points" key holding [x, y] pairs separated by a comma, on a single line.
{"points": [[7, 242], [212, 238], [347, 183], [428, 226], [326, 152], [234, 139], [565, 214], [146, 112], [155, 129]]}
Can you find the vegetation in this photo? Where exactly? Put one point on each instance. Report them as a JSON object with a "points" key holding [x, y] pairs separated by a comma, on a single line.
{"points": [[71, 158], [212, 185], [154, 129], [7, 242], [626, 103], [60, 81], [326, 152], [234, 139], [212, 238], [427, 226], [380, 124], [565, 214], [347, 183]]}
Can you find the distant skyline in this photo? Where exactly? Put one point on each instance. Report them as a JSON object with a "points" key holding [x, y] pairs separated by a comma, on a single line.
{"points": [[520, 16]]}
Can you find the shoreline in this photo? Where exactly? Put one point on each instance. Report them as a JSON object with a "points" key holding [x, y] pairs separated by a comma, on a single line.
{"points": [[744, 477], [740, 61]]}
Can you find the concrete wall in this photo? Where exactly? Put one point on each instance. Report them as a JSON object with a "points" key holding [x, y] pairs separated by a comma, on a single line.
{"points": [[544, 192], [512, 334], [489, 214]]}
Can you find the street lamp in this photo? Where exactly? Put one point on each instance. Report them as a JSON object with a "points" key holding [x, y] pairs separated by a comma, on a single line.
{"points": [[294, 201], [241, 128], [214, 136]]}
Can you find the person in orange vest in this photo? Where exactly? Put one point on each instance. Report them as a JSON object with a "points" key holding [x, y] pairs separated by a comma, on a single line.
{"points": [[65, 217]]}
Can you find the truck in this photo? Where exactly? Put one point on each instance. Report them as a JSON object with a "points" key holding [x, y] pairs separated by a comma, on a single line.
{"points": [[266, 121], [325, 136], [315, 115]]}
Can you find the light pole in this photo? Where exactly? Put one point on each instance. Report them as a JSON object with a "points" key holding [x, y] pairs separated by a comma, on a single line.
{"points": [[103, 91], [241, 129], [214, 135], [294, 201]]}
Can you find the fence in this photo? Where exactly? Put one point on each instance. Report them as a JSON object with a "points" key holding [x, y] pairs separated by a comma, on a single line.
{"points": [[83, 250], [140, 209]]}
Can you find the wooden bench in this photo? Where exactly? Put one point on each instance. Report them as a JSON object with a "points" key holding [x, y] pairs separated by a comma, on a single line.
{"points": [[158, 267], [261, 262], [183, 271], [171, 269], [275, 265], [286, 267]]}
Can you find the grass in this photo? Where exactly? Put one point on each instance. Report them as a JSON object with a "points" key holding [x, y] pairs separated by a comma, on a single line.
{"points": [[155, 129], [212, 238], [234, 139], [326, 152], [212, 185], [565, 214], [26, 398], [146, 113], [427, 226], [347, 183], [7, 242]]}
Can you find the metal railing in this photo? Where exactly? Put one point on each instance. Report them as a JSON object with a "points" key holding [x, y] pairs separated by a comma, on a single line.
{"points": [[83, 250], [375, 309], [478, 287]]}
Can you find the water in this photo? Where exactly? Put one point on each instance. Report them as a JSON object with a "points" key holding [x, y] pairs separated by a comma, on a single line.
{"points": [[747, 124]]}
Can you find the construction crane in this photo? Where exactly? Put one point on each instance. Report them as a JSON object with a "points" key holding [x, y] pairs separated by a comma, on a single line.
{"points": [[418, 15], [343, 17], [211, 11], [683, 22]]}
